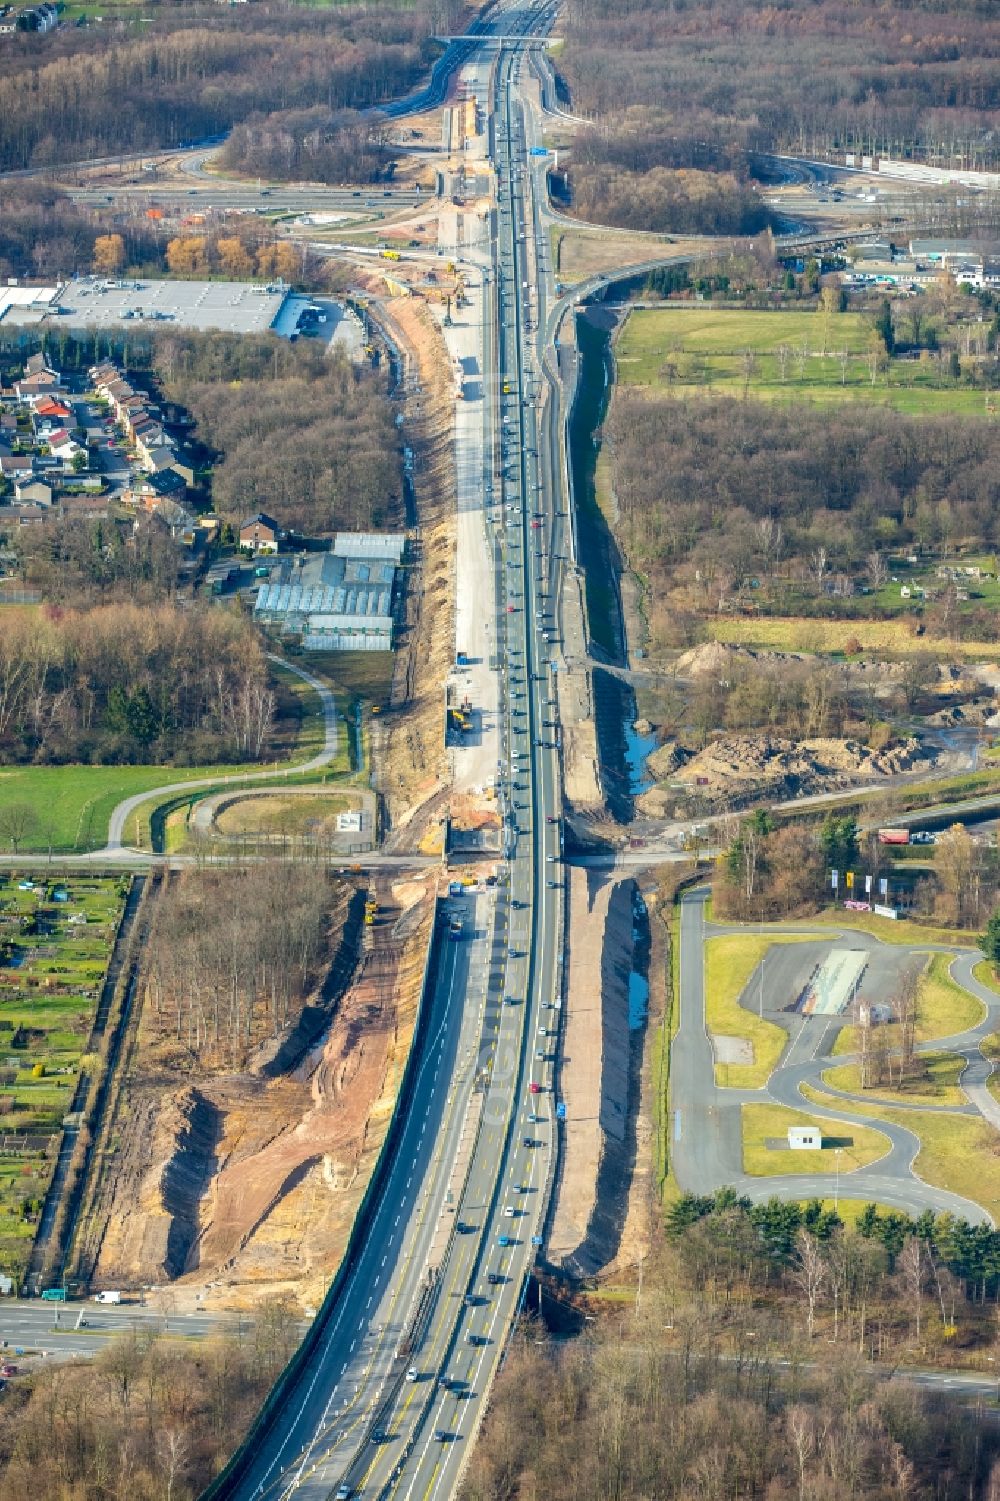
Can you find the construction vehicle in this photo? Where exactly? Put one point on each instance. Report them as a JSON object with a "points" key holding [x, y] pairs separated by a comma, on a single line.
{"points": [[390, 255]]}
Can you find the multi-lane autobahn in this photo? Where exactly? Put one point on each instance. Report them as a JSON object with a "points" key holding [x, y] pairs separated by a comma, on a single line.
{"points": [[389, 1400]]}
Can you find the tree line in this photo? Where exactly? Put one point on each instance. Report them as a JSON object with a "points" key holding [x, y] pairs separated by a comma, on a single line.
{"points": [[123, 683], [192, 74], [776, 870]]}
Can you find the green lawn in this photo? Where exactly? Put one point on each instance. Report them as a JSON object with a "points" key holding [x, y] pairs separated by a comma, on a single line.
{"points": [[729, 963], [857, 1145], [785, 357], [938, 1086], [73, 804]]}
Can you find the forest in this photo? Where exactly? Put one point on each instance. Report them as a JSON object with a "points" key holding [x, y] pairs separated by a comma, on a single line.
{"points": [[313, 145], [743, 1369], [232, 958], [891, 77], [149, 1419], [307, 437], [195, 73], [714, 492], [124, 683], [637, 172]]}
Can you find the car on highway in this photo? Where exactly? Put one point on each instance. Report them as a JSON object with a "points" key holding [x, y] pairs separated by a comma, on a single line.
{"points": [[504, 1240], [529, 1141], [442, 1437], [509, 1211], [495, 1279], [534, 1088], [413, 1374], [343, 1493]]}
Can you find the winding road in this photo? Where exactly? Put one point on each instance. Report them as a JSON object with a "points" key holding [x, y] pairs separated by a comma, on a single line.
{"points": [[706, 1135], [331, 740]]}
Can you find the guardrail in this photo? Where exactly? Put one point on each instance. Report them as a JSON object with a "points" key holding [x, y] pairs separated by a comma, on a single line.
{"points": [[225, 1483]]}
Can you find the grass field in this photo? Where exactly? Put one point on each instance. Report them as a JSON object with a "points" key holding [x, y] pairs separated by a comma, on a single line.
{"points": [[857, 1145], [896, 930], [729, 963], [73, 804], [957, 1152], [785, 357], [800, 633], [274, 814], [938, 1086]]}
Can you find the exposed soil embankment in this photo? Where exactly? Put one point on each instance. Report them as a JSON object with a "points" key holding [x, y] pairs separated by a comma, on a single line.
{"points": [[598, 1078], [408, 741], [243, 1184]]}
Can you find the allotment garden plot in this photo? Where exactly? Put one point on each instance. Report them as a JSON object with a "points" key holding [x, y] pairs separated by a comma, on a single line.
{"points": [[56, 939]]}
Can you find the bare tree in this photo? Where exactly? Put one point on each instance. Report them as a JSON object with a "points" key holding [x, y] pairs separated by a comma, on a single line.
{"points": [[877, 570], [808, 1272], [818, 564], [17, 822], [911, 1266], [172, 1450]]}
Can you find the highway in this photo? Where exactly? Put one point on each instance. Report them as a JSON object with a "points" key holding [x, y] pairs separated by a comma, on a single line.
{"points": [[389, 1400]]}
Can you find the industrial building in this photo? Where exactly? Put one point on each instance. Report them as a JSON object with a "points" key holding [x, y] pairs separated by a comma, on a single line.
{"points": [[240, 307], [340, 600]]}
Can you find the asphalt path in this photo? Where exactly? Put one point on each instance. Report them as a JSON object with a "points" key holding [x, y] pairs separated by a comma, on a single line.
{"points": [[705, 1121], [331, 740], [54, 1329]]}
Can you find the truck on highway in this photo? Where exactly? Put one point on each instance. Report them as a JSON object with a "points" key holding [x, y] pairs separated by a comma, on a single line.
{"points": [[893, 836], [108, 1296]]}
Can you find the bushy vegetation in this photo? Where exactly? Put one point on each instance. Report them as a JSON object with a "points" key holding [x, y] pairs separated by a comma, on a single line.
{"points": [[319, 145], [233, 955], [303, 435], [719, 492], [150, 1418], [636, 173]]}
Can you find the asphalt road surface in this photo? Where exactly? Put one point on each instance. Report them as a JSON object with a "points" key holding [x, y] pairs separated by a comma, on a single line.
{"points": [[705, 1134], [389, 1402]]}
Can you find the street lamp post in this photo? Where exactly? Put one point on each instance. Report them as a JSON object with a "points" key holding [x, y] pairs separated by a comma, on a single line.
{"points": [[836, 1192]]}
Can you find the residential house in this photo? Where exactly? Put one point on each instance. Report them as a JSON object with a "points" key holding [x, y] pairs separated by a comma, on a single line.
{"points": [[33, 492], [260, 533], [83, 507], [149, 490], [16, 466]]}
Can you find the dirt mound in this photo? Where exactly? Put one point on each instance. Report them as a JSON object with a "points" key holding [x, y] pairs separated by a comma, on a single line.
{"points": [[719, 659], [743, 768]]}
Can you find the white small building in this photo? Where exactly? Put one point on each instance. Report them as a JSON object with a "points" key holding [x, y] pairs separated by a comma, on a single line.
{"points": [[805, 1139]]}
